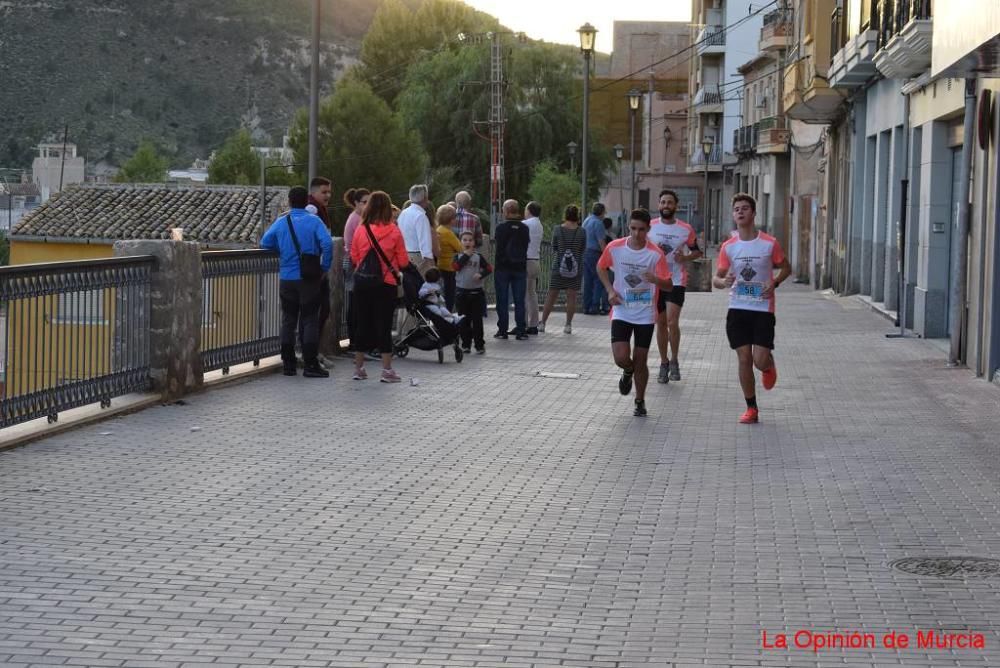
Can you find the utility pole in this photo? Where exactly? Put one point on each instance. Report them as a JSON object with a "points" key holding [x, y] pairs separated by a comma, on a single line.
{"points": [[497, 123]]}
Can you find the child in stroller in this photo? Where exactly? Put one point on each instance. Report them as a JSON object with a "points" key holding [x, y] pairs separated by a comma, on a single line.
{"points": [[429, 330], [430, 293]]}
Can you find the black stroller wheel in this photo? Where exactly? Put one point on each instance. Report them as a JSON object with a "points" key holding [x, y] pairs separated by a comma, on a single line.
{"points": [[440, 355], [402, 351], [458, 353]]}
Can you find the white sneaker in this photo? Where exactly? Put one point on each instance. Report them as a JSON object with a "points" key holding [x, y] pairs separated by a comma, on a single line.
{"points": [[541, 328], [568, 329]]}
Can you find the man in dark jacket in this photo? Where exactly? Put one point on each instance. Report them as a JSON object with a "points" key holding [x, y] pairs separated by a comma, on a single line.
{"points": [[511, 269], [320, 190]]}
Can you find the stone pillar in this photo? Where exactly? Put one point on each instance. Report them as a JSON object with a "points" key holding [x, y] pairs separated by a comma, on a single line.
{"points": [[700, 275], [335, 329], [175, 314]]}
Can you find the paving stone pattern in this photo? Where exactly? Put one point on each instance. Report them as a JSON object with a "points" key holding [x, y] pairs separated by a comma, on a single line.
{"points": [[488, 517]]}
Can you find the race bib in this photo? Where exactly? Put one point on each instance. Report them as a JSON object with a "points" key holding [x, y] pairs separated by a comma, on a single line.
{"points": [[635, 297], [750, 291]]}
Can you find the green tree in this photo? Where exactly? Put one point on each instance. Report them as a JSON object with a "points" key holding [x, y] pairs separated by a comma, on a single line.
{"points": [[399, 37], [554, 190], [4, 249], [236, 162], [543, 110], [145, 166], [362, 143]]}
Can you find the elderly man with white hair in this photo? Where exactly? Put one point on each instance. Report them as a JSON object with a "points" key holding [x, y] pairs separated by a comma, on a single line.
{"points": [[465, 220], [416, 229]]}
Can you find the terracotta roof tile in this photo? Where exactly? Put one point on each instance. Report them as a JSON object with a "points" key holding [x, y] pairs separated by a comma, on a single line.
{"points": [[219, 214]]}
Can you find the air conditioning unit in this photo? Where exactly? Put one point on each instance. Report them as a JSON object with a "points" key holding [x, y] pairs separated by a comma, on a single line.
{"points": [[760, 101]]}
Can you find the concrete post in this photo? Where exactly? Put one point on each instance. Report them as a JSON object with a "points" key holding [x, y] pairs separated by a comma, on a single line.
{"points": [[175, 314], [333, 333]]}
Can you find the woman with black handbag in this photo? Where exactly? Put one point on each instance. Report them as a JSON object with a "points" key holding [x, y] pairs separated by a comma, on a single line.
{"points": [[378, 253]]}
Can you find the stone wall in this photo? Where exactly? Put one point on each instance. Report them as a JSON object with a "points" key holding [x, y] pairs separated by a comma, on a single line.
{"points": [[176, 314]]}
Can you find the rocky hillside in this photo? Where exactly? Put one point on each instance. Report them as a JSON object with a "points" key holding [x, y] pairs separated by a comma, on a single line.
{"points": [[184, 73]]}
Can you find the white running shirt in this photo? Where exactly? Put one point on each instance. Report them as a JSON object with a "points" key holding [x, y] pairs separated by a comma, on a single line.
{"points": [[671, 237], [639, 296], [752, 263]]}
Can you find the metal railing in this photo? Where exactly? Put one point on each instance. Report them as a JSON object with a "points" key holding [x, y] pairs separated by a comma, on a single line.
{"points": [[710, 36], [889, 17], [714, 158], [74, 333], [707, 95], [241, 310], [838, 31]]}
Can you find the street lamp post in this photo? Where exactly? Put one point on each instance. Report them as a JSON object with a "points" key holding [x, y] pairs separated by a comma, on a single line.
{"points": [[619, 153], [634, 96], [313, 95], [706, 148], [572, 156], [587, 35]]}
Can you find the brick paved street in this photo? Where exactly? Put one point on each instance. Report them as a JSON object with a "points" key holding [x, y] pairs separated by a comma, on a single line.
{"points": [[489, 517]]}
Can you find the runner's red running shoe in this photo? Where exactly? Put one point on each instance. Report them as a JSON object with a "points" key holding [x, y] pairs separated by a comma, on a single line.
{"points": [[749, 417], [769, 377]]}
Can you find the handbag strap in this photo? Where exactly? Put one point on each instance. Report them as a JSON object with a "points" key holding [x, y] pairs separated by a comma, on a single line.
{"points": [[378, 248], [295, 239]]}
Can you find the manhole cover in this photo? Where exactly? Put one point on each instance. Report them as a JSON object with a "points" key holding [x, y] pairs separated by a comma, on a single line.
{"points": [[959, 568]]}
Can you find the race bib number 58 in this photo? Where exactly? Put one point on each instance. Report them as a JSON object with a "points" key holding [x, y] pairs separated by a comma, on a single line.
{"points": [[750, 291], [638, 297]]}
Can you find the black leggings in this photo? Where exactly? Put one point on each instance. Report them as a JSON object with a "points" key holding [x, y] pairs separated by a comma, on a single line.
{"points": [[373, 312]]}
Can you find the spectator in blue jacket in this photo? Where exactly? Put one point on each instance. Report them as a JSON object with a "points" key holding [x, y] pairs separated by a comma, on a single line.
{"points": [[300, 299]]}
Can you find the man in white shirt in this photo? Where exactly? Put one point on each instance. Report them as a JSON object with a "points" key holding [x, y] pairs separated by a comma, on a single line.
{"points": [[416, 229], [535, 232]]}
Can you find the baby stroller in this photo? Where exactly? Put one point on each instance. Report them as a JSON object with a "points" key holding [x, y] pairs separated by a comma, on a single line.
{"points": [[426, 330]]}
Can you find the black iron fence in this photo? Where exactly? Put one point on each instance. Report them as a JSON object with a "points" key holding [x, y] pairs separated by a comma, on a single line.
{"points": [[889, 17], [241, 311], [74, 333]]}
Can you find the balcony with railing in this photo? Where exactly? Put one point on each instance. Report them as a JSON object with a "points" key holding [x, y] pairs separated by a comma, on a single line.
{"points": [[699, 162], [904, 34], [711, 40], [772, 136], [807, 96], [853, 59], [745, 139], [777, 31], [708, 100]]}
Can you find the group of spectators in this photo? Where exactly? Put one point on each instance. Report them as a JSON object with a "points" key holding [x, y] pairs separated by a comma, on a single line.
{"points": [[444, 245]]}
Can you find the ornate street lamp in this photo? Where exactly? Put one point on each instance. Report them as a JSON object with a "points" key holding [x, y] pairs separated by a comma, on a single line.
{"points": [[571, 147], [588, 34], [706, 147], [634, 97]]}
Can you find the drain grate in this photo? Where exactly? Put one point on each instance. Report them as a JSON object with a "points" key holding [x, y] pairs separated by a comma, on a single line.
{"points": [[958, 568]]}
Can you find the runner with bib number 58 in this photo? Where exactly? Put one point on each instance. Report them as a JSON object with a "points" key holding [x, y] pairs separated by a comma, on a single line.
{"points": [[747, 261], [641, 271]]}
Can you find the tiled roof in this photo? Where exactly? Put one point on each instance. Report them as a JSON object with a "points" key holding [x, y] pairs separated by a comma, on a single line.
{"points": [[221, 214], [20, 189]]}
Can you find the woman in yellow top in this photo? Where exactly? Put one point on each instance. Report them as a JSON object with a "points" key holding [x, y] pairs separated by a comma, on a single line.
{"points": [[450, 247]]}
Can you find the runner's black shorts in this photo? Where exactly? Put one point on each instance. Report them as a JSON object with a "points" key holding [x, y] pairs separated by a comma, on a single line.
{"points": [[675, 296], [746, 328], [622, 331]]}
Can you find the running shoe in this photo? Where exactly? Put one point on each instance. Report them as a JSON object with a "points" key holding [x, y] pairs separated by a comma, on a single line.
{"points": [[640, 408], [664, 375], [360, 374], [749, 416], [568, 329], [675, 370], [541, 327], [390, 376], [770, 377], [625, 383]]}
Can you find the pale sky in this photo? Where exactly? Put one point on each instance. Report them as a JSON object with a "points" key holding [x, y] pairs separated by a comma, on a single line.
{"points": [[558, 20]]}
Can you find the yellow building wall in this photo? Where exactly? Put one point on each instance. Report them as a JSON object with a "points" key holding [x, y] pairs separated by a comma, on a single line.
{"points": [[31, 252]]}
